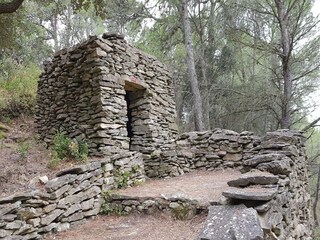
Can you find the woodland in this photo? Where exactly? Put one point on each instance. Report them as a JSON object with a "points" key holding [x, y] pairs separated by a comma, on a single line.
{"points": [[238, 64]]}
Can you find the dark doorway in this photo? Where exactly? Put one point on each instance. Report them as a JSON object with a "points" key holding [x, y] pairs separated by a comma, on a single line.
{"points": [[129, 116]]}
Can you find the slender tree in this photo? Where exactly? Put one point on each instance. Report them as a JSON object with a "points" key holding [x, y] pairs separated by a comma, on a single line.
{"points": [[191, 66]]}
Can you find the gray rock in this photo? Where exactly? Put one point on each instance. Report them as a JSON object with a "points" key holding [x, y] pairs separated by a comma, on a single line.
{"points": [[231, 223], [263, 158], [5, 233], [80, 169], [277, 167], [254, 178], [46, 220], [232, 157], [250, 193], [58, 182]]}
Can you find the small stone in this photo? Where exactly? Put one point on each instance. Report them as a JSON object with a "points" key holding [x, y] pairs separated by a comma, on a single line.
{"points": [[44, 179]]}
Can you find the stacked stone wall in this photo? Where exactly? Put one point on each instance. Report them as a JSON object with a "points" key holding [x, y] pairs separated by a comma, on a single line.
{"points": [[287, 216], [69, 199], [283, 208], [210, 150]]}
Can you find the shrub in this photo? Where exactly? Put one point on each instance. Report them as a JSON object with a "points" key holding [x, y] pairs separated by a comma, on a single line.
{"points": [[64, 148], [121, 178], [22, 149]]}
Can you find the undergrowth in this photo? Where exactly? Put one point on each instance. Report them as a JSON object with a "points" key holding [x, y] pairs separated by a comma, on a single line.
{"points": [[18, 91], [65, 148], [110, 208]]}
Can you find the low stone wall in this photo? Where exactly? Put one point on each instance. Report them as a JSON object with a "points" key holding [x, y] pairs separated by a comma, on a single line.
{"points": [[68, 199], [275, 185], [210, 150], [288, 215], [178, 207], [282, 205]]}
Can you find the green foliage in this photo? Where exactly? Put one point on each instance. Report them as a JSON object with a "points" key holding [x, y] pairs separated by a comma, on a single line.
{"points": [[183, 212], [64, 148], [18, 88], [110, 208], [121, 178], [22, 149], [54, 160]]}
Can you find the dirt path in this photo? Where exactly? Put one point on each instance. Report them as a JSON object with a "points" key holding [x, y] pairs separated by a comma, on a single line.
{"points": [[133, 227]]}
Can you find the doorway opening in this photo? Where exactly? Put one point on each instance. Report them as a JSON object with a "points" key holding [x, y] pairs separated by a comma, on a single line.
{"points": [[129, 117], [134, 93]]}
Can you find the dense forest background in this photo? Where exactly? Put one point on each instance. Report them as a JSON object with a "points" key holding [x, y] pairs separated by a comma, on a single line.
{"points": [[237, 64]]}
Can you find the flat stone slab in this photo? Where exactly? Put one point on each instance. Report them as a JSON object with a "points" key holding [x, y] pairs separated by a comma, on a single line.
{"points": [[257, 193], [231, 223], [205, 187], [254, 178]]}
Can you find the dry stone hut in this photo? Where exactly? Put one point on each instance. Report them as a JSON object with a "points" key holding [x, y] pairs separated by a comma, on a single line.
{"points": [[110, 94]]}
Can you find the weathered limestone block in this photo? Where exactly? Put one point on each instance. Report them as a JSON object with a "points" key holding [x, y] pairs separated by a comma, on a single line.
{"points": [[251, 193], [231, 222], [254, 178]]}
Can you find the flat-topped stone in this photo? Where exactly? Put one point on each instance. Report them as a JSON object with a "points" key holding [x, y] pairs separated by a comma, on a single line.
{"points": [[257, 193], [254, 178], [231, 223], [263, 158]]}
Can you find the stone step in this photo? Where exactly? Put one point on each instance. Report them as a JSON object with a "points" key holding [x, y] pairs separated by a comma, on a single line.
{"points": [[253, 193], [231, 223], [254, 178]]}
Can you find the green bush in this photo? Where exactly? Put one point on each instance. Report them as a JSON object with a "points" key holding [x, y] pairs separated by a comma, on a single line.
{"points": [[109, 208], [64, 148], [23, 148], [121, 178]]}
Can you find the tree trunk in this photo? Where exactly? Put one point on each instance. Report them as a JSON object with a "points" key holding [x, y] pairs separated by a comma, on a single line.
{"points": [[191, 66], [54, 26], [205, 90], [10, 7], [315, 203], [285, 61]]}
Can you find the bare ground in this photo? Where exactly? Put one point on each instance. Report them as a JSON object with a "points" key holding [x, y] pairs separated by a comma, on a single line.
{"points": [[134, 227], [22, 157]]}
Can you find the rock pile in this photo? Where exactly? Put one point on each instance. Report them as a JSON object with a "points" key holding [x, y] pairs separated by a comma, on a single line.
{"points": [[108, 93], [68, 199]]}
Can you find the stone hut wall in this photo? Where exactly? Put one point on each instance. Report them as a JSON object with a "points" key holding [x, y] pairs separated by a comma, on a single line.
{"points": [[69, 199], [209, 150], [84, 92]]}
